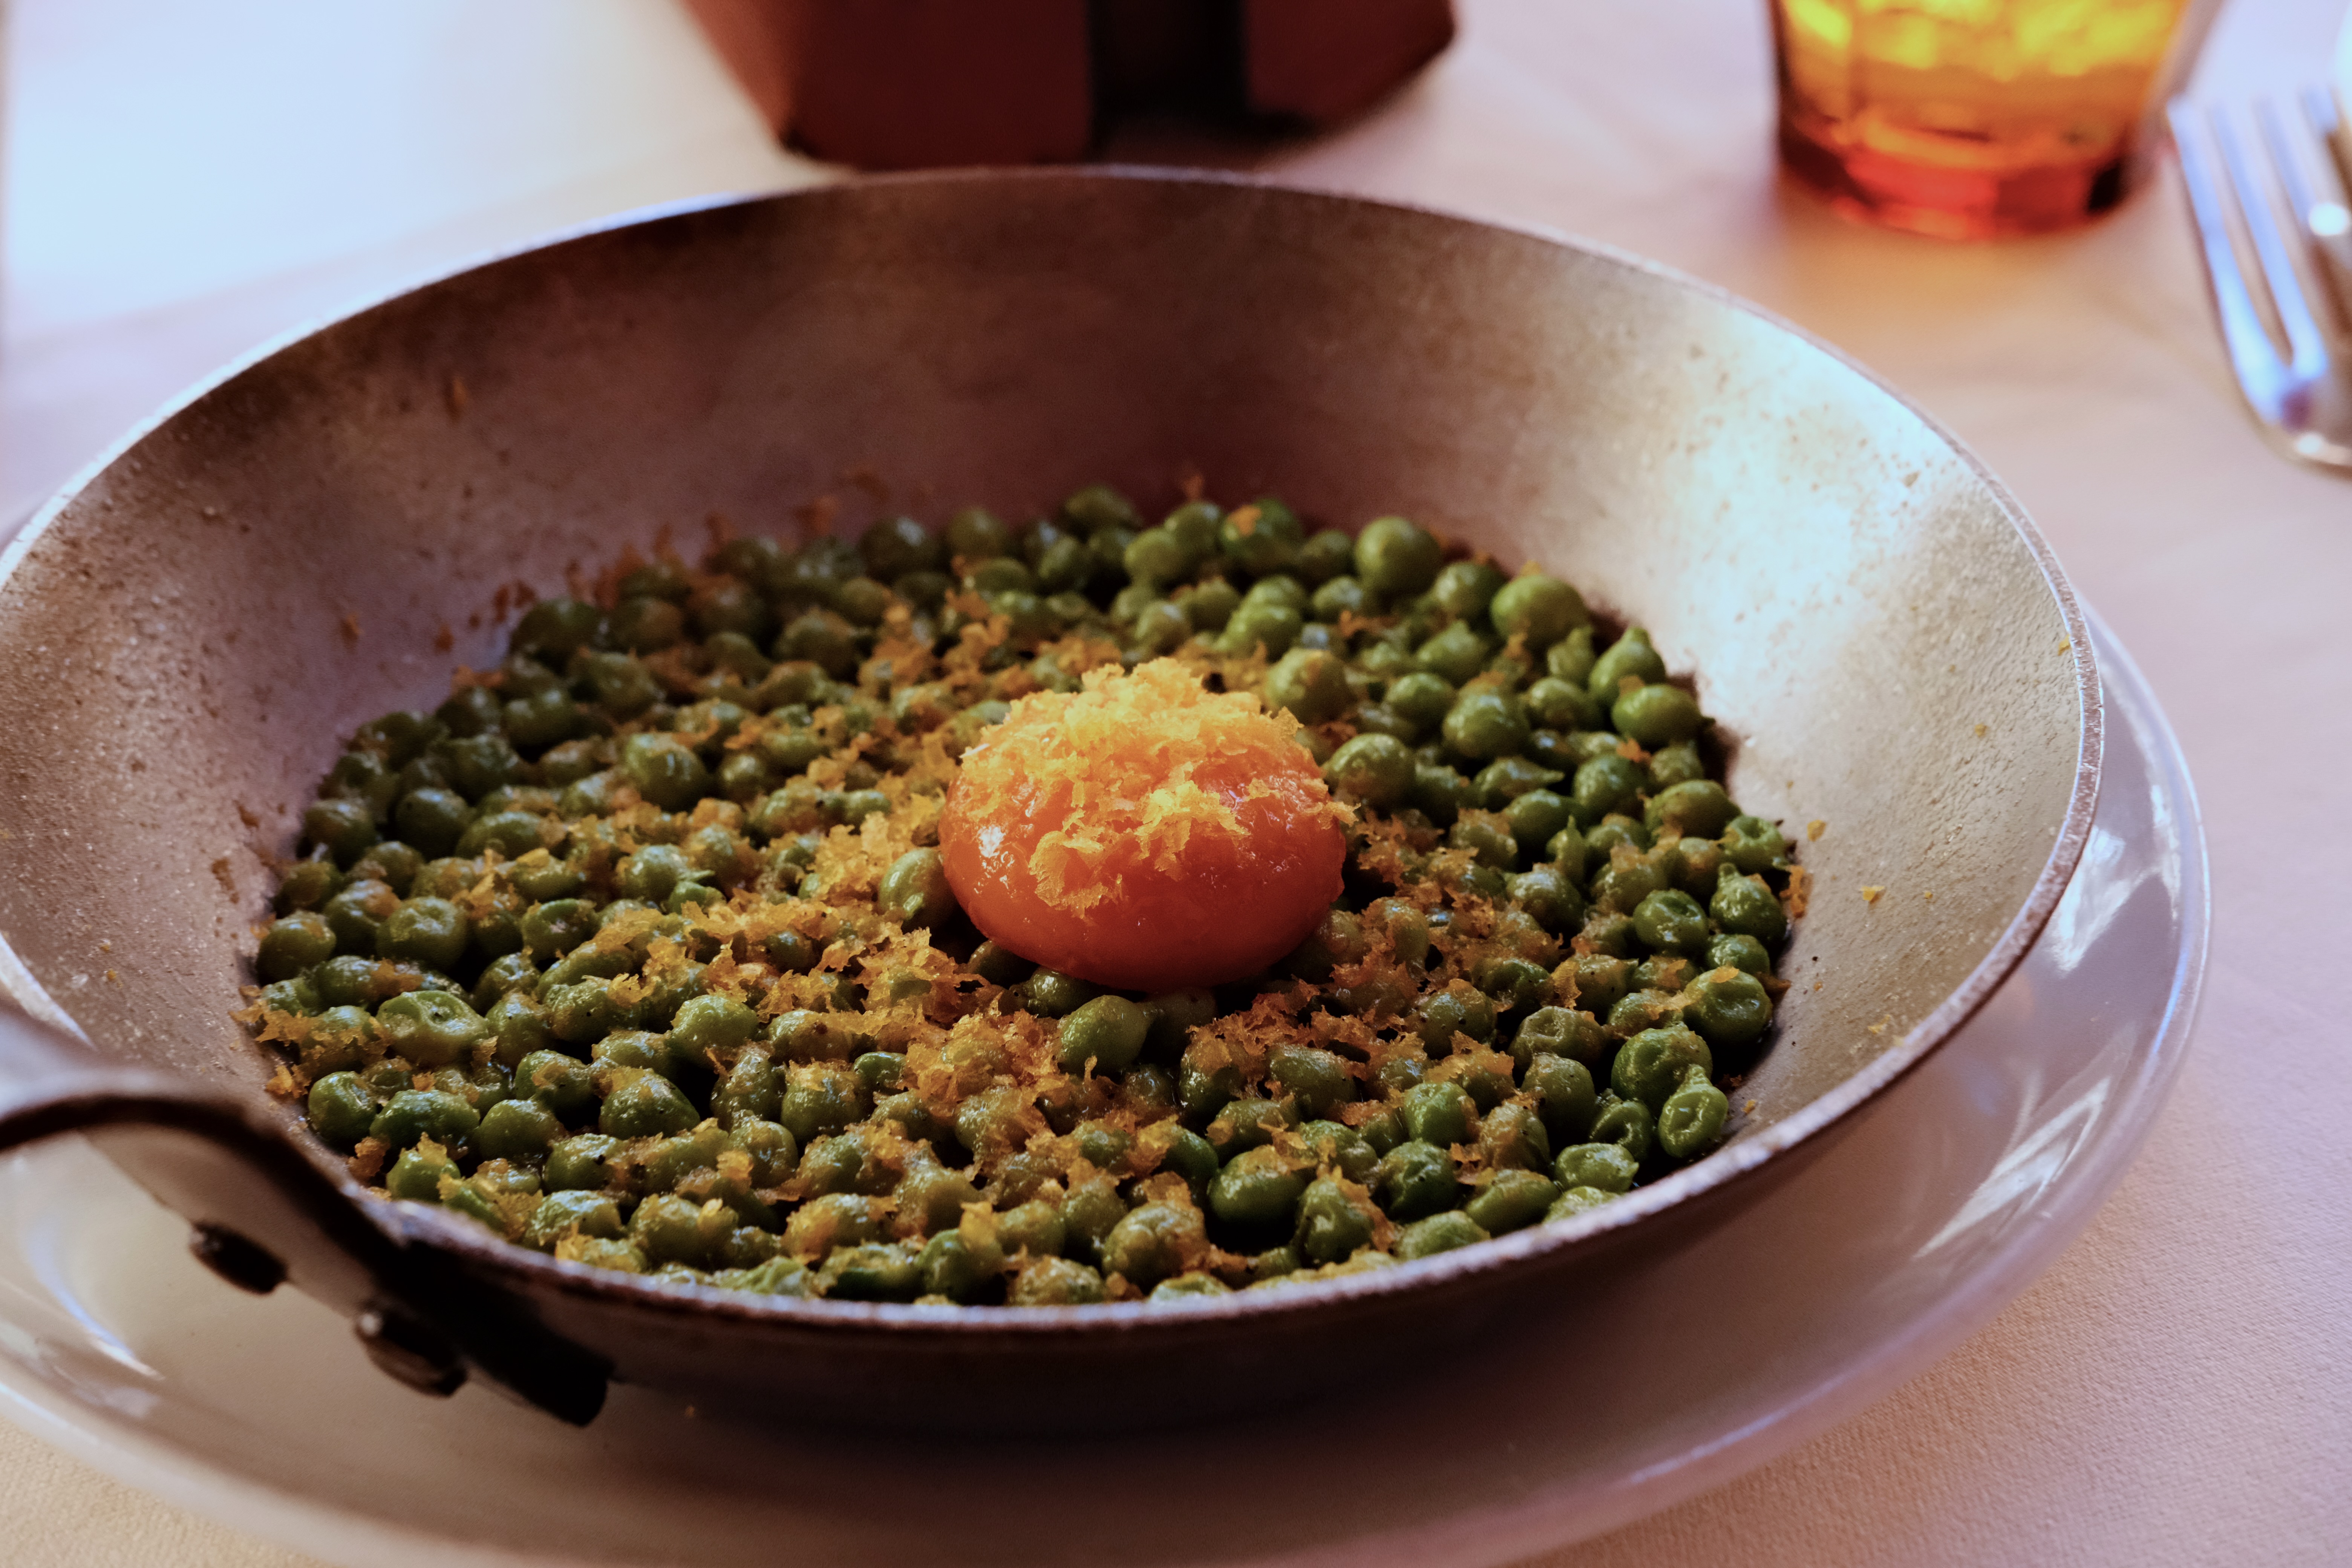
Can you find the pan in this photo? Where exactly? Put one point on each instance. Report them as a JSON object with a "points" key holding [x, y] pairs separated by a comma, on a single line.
{"points": [[1894, 660]]}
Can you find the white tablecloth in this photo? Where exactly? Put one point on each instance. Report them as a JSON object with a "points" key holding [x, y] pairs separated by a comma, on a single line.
{"points": [[186, 180]]}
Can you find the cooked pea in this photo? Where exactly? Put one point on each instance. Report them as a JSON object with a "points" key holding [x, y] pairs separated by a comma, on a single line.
{"points": [[431, 1029], [1438, 1233], [1669, 920], [1257, 1186], [1108, 1032], [1692, 1117], [1754, 845], [1677, 764], [1511, 1137], [915, 889], [1457, 654], [1512, 1200], [1243, 1124], [643, 1105], [517, 1130], [419, 1174], [1055, 1282], [1603, 786], [1438, 792], [1538, 608], [1608, 1167], [1334, 1221], [1461, 1009], [1317, 1079], [415, 1113], [1699, 807], [1744, 905], [1630, 657], [1739, 951], [1439, 1114], [1397, 557], [1656, 715], [1466, 588], [1377, 770], [1626, 1123], [1313, 686]]}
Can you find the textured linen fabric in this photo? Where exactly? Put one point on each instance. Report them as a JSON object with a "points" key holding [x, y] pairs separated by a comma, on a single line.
{"points": [[2178, 1388]]}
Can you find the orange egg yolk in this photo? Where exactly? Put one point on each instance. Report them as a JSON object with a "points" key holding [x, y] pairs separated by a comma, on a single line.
{"points": [[1144, 833]]}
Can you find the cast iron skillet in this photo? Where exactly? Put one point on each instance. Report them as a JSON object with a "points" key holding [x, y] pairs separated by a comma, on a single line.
{"points": [[186, 635]]}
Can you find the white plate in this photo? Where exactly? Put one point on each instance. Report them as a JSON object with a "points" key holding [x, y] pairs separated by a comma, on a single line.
{"points": [[1967, 1180]]}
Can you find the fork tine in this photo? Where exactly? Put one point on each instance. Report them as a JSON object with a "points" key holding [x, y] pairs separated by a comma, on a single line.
{"points": [[2305, 348], [2327, 215], [2252, 355]]}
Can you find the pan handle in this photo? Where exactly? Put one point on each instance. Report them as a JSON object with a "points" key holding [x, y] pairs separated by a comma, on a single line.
{"points": [[264, 1213]]}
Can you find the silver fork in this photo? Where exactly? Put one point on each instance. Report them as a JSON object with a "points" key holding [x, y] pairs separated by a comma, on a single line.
{"points": [[2297, 379]]}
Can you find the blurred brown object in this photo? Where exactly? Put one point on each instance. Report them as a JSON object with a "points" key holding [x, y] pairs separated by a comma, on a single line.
{"points": [[903, 84]]}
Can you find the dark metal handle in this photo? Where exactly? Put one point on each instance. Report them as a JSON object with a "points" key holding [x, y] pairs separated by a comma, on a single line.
{"points": [[264, 1213]]}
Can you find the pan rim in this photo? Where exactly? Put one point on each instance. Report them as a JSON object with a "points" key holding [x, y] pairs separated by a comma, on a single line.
{"points": [[1733, 1166]]}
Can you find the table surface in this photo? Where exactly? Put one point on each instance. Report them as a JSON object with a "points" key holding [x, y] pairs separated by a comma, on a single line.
{"points": [[183, 183]]}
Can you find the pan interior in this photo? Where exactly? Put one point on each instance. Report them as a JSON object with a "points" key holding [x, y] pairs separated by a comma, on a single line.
{"points": [[329, 533]]}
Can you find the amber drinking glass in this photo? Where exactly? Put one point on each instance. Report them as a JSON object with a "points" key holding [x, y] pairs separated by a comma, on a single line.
{"points": [[1969, 118]]}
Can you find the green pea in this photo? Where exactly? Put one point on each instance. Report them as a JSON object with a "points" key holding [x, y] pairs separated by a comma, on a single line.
{"points": [[1439, 791], [552, 928], [1466, 588], [1050, 993], [1754, 845], [307, 885], [1377, 770], [1441, 1114], [1459, 1009], [1154, 1243], [1157, 557], [417, 1176], [1729, 1007], [1698, 808], [1091, 1211], [564, 1084], [974, 533], [1488, 837], [572, 1213], [820, 1098], [1512, 1137], [1457, 654], [1603, 786], [1034, 1227], [297, 995], [882, 1072], [430, 932], [343, 828], [1192, 1157], [1161, 629], [1550, 897], [585, 1163], [1263, 537], [1607, 1167], [1210, 606], [1338, 1147], [1744, 905], [671, 1229], [1620, 886], [915, 889], [1270, 627], [645, 1105], [1563, 1093], [1692, 1117], [1438, 1233], [957, 1267], [1334, 1221], [1656, 715], [294, 943], [1313, 686], [518, 1130], [1244, 1124], [415, 1113], [1538, 608], [1676, 763], [1651, 1064], [836, 1220], [1055, 1282], [342, 1108], [1257, 1186], [1641, 1010], [476, 765], [1187, 1287], [933, 1198], [1630, 657], [1691, 864], [1414, 1179], [1669, 920], [1627, 1123], [1109, 1032], [1396, 557], [1315, 1079], [1342, 595], [1512, 1200], [1738, 951], [431, 1029]]}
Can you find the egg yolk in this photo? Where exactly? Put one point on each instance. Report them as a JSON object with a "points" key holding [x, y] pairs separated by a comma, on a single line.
{"points": [[1144, 833]]}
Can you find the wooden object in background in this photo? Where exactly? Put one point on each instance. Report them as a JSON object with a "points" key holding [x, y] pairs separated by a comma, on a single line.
{"points": [[902, 84]]}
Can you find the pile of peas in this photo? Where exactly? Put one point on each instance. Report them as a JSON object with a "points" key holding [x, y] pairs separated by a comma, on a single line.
{"points": [[638, 949]]}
